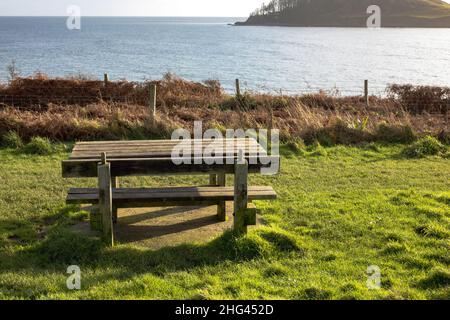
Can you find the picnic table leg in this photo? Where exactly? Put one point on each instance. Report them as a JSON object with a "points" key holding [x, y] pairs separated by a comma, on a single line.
{"points": [[115, 185], [105, 201], [221, 207], [240, 197]]}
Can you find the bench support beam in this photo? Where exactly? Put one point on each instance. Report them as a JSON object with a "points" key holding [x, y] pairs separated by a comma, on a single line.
{"points": [[240, 197], [105, 202]]}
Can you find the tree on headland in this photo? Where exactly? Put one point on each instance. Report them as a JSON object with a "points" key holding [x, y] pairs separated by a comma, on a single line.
{"points": [[351, 13], [275, 6]]}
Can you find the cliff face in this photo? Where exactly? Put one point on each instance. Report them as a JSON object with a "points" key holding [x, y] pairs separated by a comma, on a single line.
{"points": [[353, 13]]}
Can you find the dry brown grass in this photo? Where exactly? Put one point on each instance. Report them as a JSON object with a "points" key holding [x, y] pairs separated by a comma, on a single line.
{"points": [[420, 99], [329, 119], [39, 91]]}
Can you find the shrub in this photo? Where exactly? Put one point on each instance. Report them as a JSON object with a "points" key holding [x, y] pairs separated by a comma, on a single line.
{"points": [[427, 146], [419, 99], [40, 146], [12, 140], [395, 134]]}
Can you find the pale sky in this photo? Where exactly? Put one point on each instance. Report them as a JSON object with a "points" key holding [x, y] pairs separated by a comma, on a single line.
{"points": [[211, 8], [216, 8]]}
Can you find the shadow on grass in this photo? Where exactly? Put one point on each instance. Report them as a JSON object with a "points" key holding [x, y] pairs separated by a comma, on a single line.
{"points": [[45, 259], [136, 233], [62, 248], [17, 231], [135, 218], [48, 260]]}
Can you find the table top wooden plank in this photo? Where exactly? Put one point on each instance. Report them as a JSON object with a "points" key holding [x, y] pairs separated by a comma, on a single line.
{"points": [[127, 142], [154, 157], [163, 143], [143, 153], [160, 153], [164, 148], [136, 155]]}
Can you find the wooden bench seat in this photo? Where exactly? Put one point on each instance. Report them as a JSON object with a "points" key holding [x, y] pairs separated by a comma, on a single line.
{"points": [[165, 197]]}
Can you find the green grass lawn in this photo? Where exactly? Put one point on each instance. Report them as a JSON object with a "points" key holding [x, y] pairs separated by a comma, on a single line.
{"points": [[340, 210]]}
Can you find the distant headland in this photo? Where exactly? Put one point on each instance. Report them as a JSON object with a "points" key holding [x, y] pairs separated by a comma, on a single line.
{"points": [[351, 13]]}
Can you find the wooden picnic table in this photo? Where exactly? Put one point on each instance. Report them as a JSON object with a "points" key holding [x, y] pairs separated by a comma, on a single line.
{"points": [[159, 148], [109, 160]]}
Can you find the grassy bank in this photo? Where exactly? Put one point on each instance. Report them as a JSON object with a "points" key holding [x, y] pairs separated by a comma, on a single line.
{"points": [[340, 210]]}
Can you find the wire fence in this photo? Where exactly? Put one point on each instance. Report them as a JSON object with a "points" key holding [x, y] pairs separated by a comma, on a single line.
{"points": [[36, 100], [39, 93], [71, 96], [346, 89]]}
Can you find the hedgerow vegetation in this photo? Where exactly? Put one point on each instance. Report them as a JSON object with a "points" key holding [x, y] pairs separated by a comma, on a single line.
{"points": [[83, 109]]}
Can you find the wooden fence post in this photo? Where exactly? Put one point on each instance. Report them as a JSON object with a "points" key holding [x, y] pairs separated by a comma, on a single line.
{"points": [[238, 89], [105, 79], [366, 92], [153, 100], [221, 207], [105, 200], [240, 197]]}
